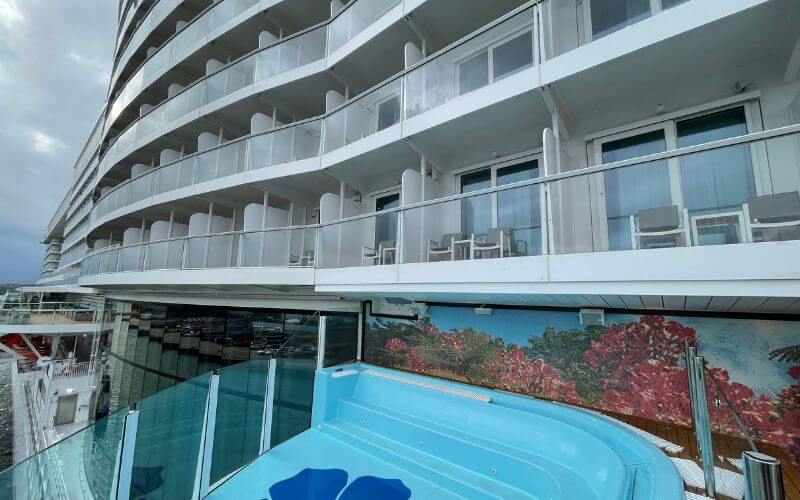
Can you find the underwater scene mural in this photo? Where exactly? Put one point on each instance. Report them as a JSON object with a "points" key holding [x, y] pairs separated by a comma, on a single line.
{"points": [[634, 365]]}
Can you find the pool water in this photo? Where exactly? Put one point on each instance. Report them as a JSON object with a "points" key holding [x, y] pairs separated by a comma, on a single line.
{"points": [[379, 433]]}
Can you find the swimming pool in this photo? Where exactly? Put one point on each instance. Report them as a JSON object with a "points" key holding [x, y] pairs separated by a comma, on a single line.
{"points": [[379, 433]]}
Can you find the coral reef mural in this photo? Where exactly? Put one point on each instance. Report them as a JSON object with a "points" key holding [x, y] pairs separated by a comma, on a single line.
{"points": [[632, 366]]}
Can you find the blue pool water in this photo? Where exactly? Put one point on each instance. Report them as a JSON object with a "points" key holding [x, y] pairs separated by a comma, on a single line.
{"points": [[399, 437]]}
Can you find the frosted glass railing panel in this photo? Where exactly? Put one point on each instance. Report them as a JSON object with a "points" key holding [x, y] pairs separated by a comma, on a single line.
{"points": [[184, 103], [287, 144], [174, 176], [108, 261], [240, 414], [355, 19], [227, 10], [149, 124], [131, 258], [351, 244], [289, 247], [495, 54], [168, 440], [213, 251], [219, 162], [141, 188], [80, 467], [362, 117], [229, 80], [164, 255], [291, 54]]}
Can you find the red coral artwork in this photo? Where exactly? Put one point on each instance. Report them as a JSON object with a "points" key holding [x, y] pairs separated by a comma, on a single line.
{"points": [[634, 368]]}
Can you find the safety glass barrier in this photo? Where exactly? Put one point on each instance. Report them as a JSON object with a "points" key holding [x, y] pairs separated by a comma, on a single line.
{"points": [[66, 315], [239, 426], [714, 196], [282, 145], [357, 17], [291, 53], [367, 241], [168, 441], [289, 247], [164, 255], [569, 24], [81, 466], [494, 54], [177, 48], [377, 110], [502, 224]]}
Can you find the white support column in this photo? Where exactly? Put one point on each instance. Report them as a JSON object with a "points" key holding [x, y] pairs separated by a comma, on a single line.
{"points": [[360, 337]]}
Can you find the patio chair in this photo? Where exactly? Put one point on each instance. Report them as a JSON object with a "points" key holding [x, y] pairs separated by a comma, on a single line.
{"points": [[775, 216], [444, 248], [660, 227], [304, 259], [380, 255], [497, 239]]}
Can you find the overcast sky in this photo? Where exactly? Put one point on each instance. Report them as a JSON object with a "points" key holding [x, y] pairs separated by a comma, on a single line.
{"points": [[55, 61]]}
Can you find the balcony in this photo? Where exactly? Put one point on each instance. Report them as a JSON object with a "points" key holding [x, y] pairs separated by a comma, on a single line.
{"points": [[48, 318], [248, 159]]}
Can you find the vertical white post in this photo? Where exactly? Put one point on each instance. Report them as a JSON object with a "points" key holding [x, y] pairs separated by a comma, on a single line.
{"points": [[323, 326], [121, 485], [203, 475], [269, 401], [360, 338]]}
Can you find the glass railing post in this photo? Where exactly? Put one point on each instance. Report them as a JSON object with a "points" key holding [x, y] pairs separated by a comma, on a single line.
{"points": [[763, 479], [700, 416], [121, 486], [269, 400], [203, 475]]}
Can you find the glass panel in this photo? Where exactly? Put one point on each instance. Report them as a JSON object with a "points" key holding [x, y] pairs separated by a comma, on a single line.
{"points": [[716, 183], [519, 209], [666, 4], [513, 56], [168, 441], [389, 112], [609, 16], [628, 190], [240, 409], [386, 224], [81, 466], [476, 212], [341, 339], [473, 73], [294, 378]]}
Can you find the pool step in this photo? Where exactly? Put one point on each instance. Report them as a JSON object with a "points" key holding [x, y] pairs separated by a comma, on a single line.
{"points": [[513, 467], [449, 476]]}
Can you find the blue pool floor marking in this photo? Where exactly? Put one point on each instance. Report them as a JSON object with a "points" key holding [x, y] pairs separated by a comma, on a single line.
{"points": [[326, 484]]}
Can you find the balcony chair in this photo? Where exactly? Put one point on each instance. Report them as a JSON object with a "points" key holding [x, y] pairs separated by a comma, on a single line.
{"points": [[661, 227], [304, 259], [384, 254], [437, 249], [498, 239], [775, 216]]}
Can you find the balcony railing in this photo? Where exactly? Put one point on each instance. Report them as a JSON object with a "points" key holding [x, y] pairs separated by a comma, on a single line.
{"points": [[293, 142], [284, 55], [356, 17], [275, 247], [47, 313], [178, 47], [158, 11], [677, 198]]}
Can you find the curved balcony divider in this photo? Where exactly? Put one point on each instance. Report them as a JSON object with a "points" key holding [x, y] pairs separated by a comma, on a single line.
{"points": [[355, 18], [176, 49], [293, 142], [365, 115], [285, 55], [158, 11], [274, 247]]}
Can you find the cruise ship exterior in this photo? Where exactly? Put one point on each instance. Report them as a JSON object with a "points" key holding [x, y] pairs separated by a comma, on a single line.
{"points": [[424, 248]]}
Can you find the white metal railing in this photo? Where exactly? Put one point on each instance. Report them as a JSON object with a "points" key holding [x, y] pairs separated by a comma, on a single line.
{"points": [[546, 227], [65, 370]]}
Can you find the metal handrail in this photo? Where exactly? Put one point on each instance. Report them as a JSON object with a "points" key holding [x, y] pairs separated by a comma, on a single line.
{"points": [[546, 179]]}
